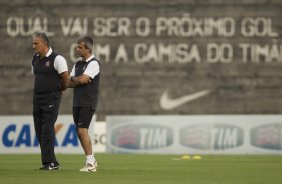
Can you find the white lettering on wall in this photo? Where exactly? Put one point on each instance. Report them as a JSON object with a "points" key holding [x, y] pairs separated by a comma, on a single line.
{"points": [[260, 27], [187, 26], [111, 26], [20, 26], [74, 26]]}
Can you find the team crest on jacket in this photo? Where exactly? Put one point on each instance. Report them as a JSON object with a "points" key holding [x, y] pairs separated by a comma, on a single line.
{"points": [[47, 64]]}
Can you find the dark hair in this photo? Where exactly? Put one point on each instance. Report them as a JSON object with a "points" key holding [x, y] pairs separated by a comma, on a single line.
{"points": [[43, 36], [88, 42]]}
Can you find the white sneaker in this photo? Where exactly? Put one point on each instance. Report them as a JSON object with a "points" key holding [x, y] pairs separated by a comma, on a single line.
{"points": [[89, 167]]}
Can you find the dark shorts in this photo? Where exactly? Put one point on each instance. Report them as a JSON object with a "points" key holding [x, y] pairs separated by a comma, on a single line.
{"points": [[82, 116]]}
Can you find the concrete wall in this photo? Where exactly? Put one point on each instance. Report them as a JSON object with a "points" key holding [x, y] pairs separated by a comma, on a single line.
{"points": [[231, 48]]}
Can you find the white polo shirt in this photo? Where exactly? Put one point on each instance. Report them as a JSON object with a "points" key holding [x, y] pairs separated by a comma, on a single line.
{"points": [[60, 63], [91, 70]]}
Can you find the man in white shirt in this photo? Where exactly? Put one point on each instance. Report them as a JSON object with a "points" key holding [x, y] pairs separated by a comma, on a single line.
{"points": [[85, 78], [51, 76]]}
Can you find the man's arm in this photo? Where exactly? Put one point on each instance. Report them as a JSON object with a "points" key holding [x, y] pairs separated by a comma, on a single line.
{"points": [[60, 64], [79, 80], [64, 80]]}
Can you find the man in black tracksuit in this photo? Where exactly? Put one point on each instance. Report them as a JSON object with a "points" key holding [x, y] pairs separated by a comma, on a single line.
{"points": [[51, 76], [85, 77]]}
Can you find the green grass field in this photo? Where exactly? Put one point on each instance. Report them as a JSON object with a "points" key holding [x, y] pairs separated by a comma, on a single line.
{"points": [[135, 169]]}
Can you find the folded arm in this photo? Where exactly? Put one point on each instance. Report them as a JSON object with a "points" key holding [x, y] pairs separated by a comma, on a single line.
{"points": [[77, 81]]}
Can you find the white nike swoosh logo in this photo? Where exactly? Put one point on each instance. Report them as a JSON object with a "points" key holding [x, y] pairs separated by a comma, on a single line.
{"points": [[168, 104]]}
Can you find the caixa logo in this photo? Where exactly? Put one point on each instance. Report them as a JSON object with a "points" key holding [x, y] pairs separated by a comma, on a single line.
{"points": [[141, 136], [267, 136], [17, 135], [216, 137]]}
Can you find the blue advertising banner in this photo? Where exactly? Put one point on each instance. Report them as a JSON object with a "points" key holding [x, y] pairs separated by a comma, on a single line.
{"points": [[18, 135]]}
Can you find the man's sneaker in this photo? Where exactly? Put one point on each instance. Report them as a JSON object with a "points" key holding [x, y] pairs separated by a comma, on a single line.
{"points": [[50, 166], [89, 167]]}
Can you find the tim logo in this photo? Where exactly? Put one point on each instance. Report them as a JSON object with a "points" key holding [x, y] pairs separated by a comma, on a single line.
{"points": [[217, 137], [141, 136], [267, 136]]}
